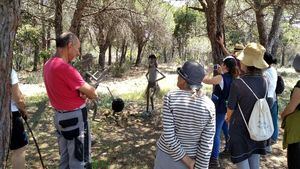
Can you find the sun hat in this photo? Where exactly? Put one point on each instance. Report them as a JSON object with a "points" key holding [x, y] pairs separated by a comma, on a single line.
{"points": [[238, 47], [296, 63], [253, 55], [192, 72]]}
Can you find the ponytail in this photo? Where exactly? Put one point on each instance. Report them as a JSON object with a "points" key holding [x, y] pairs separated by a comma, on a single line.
{"points": [[196, 92]]}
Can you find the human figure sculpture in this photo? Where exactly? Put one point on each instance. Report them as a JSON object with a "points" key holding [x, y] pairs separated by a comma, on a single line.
{"points": [[151, 76]]}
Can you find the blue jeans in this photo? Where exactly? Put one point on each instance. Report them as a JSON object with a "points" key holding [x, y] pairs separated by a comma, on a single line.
{"points": [[220, 125], [250, 163], [274, 113]]}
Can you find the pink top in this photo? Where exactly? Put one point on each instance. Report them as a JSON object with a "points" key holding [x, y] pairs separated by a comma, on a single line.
{"points": [[62, 82]]}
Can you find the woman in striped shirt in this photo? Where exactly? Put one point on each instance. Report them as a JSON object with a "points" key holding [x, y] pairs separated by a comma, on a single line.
{"points": [[188, 123]]}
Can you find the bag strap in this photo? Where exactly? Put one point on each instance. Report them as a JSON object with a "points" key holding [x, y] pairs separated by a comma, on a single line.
{"points": [[243, 118], [255, 97], [252, 90]]}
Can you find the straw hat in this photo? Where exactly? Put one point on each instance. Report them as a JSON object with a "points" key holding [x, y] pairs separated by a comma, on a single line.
{"points": [[238, 47], [253, 55], [192, 72], [296, 63]]}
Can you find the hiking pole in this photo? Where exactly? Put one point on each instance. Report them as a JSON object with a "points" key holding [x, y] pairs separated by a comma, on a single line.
{"points": [[35, 142]]}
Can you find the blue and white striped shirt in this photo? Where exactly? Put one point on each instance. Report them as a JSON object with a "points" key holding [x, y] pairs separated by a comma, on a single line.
{"points": [[188, 127]]}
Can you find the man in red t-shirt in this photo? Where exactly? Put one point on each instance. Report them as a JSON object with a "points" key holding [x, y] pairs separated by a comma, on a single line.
{"points": [[67, 92]]}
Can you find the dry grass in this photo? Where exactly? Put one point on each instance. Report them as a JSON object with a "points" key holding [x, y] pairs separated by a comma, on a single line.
{"points": [[128, 141]]}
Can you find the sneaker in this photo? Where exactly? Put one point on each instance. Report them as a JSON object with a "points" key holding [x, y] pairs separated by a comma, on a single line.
{"points": [[214, 163]]}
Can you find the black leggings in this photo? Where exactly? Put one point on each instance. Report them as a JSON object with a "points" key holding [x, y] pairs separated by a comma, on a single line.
{"points": [[293, 154]]}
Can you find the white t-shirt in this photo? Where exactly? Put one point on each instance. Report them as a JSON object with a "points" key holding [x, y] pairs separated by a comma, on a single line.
{"points": [[271, 75], [14, 80]]}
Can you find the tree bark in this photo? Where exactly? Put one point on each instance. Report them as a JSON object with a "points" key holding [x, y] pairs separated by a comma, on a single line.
{"points": [[124, 51], [9, 18], [139, 54], [48, 36], [43, 32], [273, 38], [165, 55], [109, 55], [117, 54], [76, 20], [283, 49], [58, 17], [261, 24], [36, 57], [101, 60], [214, 12]]}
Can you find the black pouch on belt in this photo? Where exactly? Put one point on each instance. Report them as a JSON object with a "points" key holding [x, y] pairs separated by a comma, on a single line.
{"points": [[67, 133]]}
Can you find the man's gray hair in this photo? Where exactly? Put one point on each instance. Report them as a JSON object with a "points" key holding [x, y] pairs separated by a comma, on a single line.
{"points": [[65, 38]]}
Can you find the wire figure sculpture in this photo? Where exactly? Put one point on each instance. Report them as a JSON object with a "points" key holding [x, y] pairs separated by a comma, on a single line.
{"points": [[152, 87]]}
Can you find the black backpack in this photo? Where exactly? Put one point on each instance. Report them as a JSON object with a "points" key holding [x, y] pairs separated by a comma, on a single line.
{"points": [[280, 85]]}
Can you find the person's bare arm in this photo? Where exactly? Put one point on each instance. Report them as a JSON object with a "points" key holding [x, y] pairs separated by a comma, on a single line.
{"points": [[228, 115], [294, 102], [18, 97], [214, 80], [163, 76], [88, 90], [220, 41]]}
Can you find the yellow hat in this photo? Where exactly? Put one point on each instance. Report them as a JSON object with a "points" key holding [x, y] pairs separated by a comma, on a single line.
{"points": [[253, 55], [238, 47]]}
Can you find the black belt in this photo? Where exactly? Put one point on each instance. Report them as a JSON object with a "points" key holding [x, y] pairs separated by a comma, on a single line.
{"points": [[69, 111]]}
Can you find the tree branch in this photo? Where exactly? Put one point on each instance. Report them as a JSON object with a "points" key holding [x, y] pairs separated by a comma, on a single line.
{"points": [[196, 8]]}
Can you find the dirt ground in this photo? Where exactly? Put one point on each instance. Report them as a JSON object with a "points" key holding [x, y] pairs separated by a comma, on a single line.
{"points": [[125, 142]]}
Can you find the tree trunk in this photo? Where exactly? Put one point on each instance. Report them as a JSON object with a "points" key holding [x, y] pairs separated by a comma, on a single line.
{"points": [[273, 38], [58, 17], [48, 36], [102, 56], [109, 55], [76, 20], [9, 17], [36, 57], [139, 55], [261, 25], [124, 51], [283, 55], [165, 55], [43, 32], [130, 56], [214, 12]]}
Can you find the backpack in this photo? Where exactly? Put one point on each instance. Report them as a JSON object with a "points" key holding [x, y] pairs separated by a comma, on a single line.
{"points": [[280, 85], [260, 125]]}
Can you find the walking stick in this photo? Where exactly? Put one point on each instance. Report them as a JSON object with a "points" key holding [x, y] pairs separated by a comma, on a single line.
{"points": [[35, 142]]}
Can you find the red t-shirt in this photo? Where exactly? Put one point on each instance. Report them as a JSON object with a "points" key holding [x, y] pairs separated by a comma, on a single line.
{"points": [[62, 82]]}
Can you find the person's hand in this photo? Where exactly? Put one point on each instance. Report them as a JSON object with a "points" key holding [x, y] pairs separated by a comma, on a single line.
{"points": [[227, 118], [83, 96], [282, 115], [219, 69], [192, 164], [24, 114], [220, 40], [189, 162]]}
